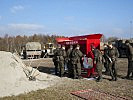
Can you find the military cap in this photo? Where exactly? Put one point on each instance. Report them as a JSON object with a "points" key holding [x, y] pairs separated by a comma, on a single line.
{"points": [[92, 46], [109, 43], [71, 46], [63, 45], [127, 41], [58, 45], [105, 43], [78, 45]]}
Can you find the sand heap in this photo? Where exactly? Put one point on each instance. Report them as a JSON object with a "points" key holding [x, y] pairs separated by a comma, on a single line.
{"points": [[13, 79]]}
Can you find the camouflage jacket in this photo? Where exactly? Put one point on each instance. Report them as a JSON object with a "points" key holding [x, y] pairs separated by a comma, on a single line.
{"points": [[129, 52], [113, 53], [76, 55], [59, 54], [69, 52], [106, 53], [98, 57]]}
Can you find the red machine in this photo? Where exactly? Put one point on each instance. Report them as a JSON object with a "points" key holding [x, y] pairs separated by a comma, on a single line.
{"points": [[85, 43]]}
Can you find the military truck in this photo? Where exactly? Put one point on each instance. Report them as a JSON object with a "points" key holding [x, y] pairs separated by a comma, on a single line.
{"points": [[121, 46], [32, 50]]}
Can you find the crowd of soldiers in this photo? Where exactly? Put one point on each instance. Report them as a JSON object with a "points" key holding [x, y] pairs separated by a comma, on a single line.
{"points": [[72, 57]]}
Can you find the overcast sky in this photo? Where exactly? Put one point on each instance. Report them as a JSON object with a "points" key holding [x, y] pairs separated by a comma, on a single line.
{"points": [[66, 17]]}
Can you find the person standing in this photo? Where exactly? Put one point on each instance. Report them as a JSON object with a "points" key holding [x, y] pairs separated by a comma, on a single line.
{"points": [[98, 60], [106, 63], [69, 64], [129, 53], [62, 57], [113, 54], [75, 60], [56, 59]]}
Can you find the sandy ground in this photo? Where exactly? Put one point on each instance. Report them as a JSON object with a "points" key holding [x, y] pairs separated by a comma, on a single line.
{"points": [[62, 90], [14, 76]]}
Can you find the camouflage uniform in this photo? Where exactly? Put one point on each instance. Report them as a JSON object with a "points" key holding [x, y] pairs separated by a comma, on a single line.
{"points": [[112, 57], [76, 65], [98, 60], [69, 64], [62, 57], [129, 53], [56, 60], [106, 63]]}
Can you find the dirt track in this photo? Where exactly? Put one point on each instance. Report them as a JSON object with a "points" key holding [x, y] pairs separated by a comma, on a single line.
{"points": [[62, 90]]}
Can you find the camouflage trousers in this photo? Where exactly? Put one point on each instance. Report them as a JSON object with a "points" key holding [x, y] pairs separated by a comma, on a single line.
{"points": [[99, 69], [56, 64], [61, 68], [113, 70], [130, 68], [70, 70], [76, 70], [106, 65]]}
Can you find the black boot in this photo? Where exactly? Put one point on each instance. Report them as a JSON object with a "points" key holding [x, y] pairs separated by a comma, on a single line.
{"points": [[116, 79], [113, 79], [132, 75], [127, 77], [99, 79], [80, 77]]}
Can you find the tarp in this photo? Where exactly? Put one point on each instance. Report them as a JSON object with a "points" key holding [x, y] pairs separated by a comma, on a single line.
{"points": [[33, 46]]}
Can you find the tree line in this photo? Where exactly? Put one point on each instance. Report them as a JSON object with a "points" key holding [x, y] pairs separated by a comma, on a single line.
{"points": [[15, 43]]}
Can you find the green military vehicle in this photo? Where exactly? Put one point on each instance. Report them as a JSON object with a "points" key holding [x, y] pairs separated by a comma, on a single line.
{"points": [[32, 50], [121, 46]]}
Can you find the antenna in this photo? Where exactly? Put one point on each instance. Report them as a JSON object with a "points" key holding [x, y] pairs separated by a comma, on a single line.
{"points": [[131, 29]]}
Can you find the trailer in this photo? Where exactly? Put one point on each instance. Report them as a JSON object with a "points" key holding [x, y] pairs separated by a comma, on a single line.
{"points": [[85, 43]]}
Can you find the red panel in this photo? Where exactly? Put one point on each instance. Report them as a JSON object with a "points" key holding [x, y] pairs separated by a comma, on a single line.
{"points": [[85, 43], [62, 39], [91, 36]]}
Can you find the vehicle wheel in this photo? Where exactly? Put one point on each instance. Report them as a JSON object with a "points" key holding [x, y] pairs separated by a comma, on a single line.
{"points": [[47, 56], [38, 56]]}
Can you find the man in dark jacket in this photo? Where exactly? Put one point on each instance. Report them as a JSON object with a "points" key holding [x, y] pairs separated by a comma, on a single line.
{"points": [[112, 57], [75, 60]]}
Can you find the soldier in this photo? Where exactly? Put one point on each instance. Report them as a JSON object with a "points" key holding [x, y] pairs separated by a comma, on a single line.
{"points": [[56, 59], [75, 60], [98, 60], [129, 53], [112, 57], [106, 63], [69, 65], [62, 57]]}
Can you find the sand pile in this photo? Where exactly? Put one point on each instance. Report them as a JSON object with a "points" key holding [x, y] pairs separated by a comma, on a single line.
{"points": [[13, 79]]}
